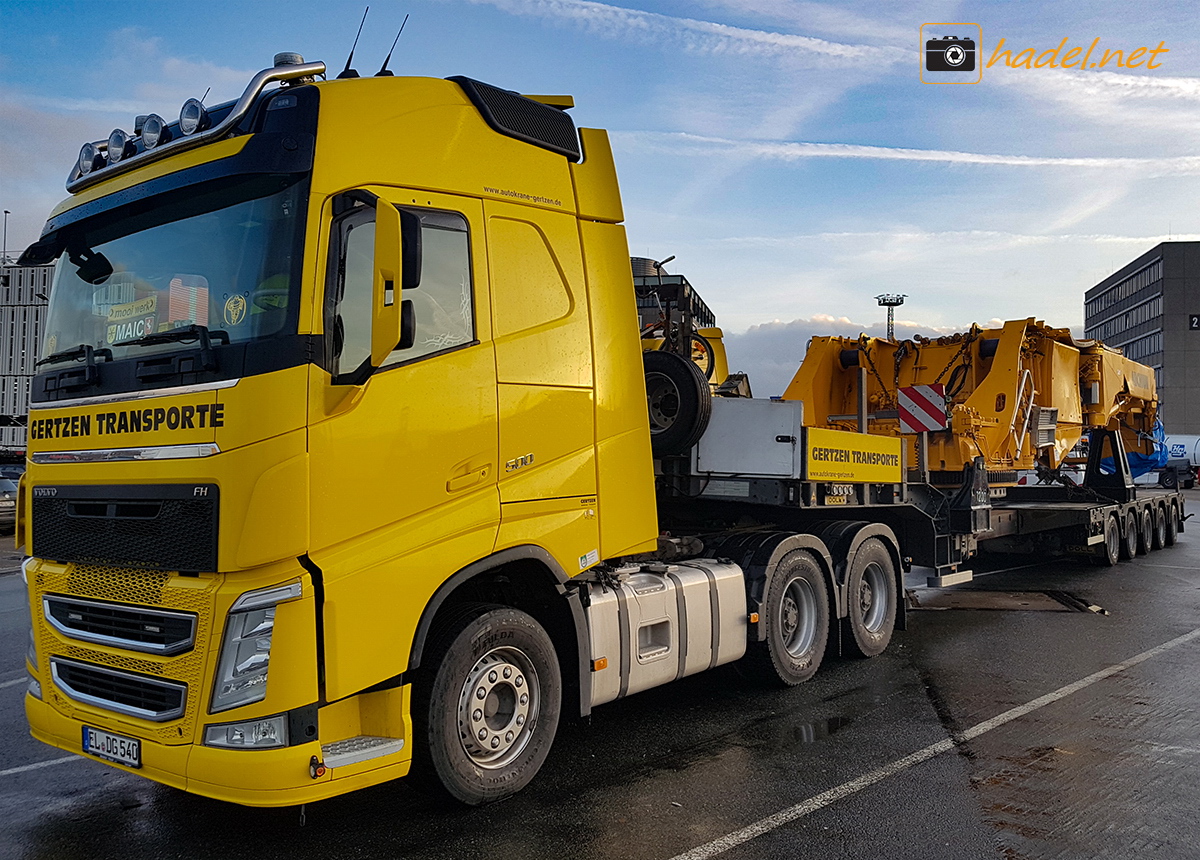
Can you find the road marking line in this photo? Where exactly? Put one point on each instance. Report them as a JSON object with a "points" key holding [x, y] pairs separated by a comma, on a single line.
{"points": [[24, 680], [39, 764], [825, 798]]}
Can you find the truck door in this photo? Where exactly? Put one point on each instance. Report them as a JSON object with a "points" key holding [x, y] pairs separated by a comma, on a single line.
{"points": [[404, 459]]}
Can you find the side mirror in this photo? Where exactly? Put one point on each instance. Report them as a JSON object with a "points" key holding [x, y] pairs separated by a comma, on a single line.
{"points": [[385, 328], [410, 231], [408, 325]]}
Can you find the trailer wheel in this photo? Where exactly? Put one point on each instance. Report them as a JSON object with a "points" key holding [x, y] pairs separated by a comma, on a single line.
{"points": [[1109, 551], [1146, 540], [1160, 527], [1168, 478], [679, 400], [1129, 536], [871, 593], [795, 615], [484, 722], [1172, 524]]}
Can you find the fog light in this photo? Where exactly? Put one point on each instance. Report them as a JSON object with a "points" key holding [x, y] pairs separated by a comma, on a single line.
{"points": [[155, 131], [193, 117], [35, 688], [119, 146], [252, 734], [89, 159]]}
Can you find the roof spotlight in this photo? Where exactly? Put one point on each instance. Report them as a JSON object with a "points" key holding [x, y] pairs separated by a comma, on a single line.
{"points": [[89, 159], [119, 146], [154, 131], [193, 117]]}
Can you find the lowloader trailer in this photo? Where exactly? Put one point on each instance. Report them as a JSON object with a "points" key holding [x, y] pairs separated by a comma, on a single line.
{"points": [[341, 468]]}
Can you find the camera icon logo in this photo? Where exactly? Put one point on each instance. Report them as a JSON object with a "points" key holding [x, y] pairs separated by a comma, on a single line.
{"points": [[951, 59], [950, 54]]}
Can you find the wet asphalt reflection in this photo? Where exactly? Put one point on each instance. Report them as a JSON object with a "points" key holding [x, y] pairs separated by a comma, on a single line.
{"points": [[1109, 770]]}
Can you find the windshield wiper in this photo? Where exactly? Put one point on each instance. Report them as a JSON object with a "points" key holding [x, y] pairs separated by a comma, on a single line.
{"points": [[84, 351], [184, 334], [68, 379]]}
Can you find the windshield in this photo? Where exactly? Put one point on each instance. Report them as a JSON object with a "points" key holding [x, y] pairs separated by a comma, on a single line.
{"points": [[225, 256]]}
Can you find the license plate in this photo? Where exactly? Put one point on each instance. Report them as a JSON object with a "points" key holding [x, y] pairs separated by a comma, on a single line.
{"points": [[110, 747]]}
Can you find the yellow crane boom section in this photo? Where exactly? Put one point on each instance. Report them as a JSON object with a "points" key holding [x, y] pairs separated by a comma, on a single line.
{"points": [[1017, 395]]}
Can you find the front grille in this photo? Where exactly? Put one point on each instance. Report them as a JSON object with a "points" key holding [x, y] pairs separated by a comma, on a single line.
{"points": [[162, 526], [131, 627], [134, 695]]}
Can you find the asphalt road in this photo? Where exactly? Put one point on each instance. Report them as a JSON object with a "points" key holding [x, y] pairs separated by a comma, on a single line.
{"points": [[1032, 731]]}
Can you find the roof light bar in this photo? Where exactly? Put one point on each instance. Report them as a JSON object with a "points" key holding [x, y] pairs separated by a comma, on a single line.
{"points": [[127, 160]]}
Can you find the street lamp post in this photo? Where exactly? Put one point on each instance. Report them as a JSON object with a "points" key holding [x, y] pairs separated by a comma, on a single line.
{"points": [[891, 301], [4, 250]]}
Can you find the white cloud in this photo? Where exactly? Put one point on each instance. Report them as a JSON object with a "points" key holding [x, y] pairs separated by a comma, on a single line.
{"points": [[772, 352], [691, 34], [680, 143], [1111, 99]]}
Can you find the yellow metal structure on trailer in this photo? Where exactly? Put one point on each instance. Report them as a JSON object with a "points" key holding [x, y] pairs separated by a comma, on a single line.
{"points": [[1021, 395]]}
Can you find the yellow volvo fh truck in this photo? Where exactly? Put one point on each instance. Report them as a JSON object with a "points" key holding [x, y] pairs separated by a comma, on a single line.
{"points": [[340, 461]]}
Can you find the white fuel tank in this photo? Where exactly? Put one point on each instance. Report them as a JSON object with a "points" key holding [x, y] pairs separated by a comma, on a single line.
{"points": [[664, 622]]}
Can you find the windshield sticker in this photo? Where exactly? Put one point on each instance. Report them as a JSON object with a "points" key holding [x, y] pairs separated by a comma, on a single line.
{"points": [[131, 319], [235, 310]]}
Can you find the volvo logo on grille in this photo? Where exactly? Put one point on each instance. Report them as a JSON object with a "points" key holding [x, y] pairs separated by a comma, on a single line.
{"points": [[45, 491]]}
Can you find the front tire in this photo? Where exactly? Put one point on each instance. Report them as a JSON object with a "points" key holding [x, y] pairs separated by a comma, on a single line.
{"points": [[795, 613], [485, 720]]}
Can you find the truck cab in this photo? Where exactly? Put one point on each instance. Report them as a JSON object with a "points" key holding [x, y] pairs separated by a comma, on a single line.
{"points": [[334, 376]]}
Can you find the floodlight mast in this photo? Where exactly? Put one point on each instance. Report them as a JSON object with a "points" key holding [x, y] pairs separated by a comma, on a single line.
{"points": [[891, 301]]}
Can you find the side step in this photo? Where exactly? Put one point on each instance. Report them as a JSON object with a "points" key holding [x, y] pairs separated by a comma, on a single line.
{"points": [[956, 577], [361, 748]]}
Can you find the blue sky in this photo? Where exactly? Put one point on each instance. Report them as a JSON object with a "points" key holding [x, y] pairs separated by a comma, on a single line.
{"points": [[786, 152]]}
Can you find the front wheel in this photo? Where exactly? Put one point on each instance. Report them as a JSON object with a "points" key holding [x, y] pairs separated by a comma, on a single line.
{"points": [[872, 598], [485, 721]]}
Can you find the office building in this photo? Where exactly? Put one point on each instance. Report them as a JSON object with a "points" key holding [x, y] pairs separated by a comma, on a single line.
{"points": [[1150, 308]]}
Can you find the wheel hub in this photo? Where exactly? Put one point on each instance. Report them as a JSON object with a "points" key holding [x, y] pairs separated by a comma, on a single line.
{"points": [[663, 399], [498, 707]]}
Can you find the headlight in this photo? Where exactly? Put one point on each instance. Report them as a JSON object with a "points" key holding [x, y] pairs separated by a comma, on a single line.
{"points": [[252, 734], [193, 117], [154, 131], [246, 647], [31, 649]]}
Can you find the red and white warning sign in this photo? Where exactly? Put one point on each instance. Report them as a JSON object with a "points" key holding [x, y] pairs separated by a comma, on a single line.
{"points": [[922, 407]]}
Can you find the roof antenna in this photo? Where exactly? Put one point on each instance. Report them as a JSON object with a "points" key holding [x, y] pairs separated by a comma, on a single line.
{"points": [[383, 70], [349, 72], [206, 92]]}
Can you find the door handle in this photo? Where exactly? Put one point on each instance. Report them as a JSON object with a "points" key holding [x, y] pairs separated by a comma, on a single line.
{"points": [[470, 479]]}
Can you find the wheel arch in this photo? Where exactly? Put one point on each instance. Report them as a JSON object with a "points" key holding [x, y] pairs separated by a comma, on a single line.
{"points": [[759, 553], [528, 578]]}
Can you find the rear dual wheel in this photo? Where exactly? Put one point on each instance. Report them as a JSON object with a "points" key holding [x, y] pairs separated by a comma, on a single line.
{"points": [[872, 597], [1108, 552], [795, 615]]}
